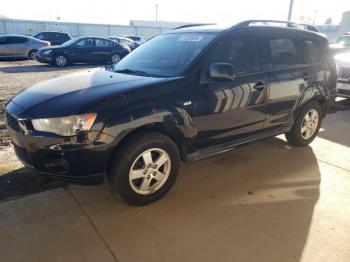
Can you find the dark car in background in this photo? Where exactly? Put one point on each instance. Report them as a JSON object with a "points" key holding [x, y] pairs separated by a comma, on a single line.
{"points": [[126, 42], [20, 46], [189, 93], [82, 50], [55, 38]]}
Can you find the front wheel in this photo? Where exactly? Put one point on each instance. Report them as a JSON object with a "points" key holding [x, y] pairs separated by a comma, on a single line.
{"points": [[60, 60], [115, 58], [145, 168], [306, 125]]}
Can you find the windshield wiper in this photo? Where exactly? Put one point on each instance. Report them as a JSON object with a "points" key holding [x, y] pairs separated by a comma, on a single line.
{"points": [[132, 72]]}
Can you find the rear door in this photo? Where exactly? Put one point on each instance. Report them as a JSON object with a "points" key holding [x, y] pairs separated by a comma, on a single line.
{"points": [[232, 109], [17, 46], [102, 49], [3, 46], [288, 76], [81, 51]]}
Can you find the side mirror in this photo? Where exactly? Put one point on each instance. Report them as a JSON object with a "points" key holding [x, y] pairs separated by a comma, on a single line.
{"points": [[223, 71]]}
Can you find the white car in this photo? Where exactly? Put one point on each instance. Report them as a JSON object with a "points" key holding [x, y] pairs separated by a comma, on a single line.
{"points": [[343, 68]]}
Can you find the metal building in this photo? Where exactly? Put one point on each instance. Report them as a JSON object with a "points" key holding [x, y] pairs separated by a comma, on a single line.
{"points": [[32, 27]]}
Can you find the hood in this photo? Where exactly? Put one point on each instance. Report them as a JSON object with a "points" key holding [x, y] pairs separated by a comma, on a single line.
{"points": [[73, 93]]}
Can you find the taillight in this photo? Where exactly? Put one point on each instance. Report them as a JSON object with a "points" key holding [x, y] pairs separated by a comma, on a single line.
{"points": [[46, 43]]}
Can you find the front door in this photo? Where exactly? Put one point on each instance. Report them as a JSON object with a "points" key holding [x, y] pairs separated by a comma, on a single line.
{"points": [[81, 51], [227, 110]]}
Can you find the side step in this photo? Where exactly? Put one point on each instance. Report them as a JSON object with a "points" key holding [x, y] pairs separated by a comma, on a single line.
{"points": [[228, 146]]}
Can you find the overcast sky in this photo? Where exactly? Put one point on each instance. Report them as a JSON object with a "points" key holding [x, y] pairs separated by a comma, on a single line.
{"points": [[218, 11]]}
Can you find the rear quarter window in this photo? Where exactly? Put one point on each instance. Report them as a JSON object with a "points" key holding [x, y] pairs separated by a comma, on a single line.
{"points": [[17, 40]]}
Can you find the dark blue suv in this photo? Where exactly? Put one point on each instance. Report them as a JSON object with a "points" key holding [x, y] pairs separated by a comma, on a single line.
{"points": [[187, 94]]}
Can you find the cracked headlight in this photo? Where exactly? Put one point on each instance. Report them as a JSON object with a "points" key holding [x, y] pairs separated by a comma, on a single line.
{"points": [[47, 52], [65, 126]]}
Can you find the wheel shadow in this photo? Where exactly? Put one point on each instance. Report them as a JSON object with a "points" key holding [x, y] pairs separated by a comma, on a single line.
{"points": [[23, 182]]}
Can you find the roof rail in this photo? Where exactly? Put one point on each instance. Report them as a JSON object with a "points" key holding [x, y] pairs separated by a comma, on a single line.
{"points": [[192, 25], [288, 24]]}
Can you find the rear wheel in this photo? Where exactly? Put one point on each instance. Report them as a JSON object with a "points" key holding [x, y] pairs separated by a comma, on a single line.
{"points": [[61, 60], [306, 125], [145, 168], [32, 54]]}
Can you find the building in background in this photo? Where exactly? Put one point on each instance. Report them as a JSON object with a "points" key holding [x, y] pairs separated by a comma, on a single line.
{"points": [[143, 28]]}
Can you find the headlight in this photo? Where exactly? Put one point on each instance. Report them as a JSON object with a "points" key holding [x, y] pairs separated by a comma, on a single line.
{"points": [[65, 126], [47, 52]]}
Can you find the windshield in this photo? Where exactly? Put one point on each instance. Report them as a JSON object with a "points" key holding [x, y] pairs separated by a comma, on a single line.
{"points": [[344, 40], [165, 55], [70, 42]]}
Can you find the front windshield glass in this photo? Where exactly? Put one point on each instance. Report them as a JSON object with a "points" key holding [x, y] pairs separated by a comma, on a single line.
{"points": [[344, 40], [165, 55], [70, 42]]}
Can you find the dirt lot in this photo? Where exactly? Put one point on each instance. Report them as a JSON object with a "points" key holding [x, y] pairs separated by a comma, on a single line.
{"points": [[262, 202]]}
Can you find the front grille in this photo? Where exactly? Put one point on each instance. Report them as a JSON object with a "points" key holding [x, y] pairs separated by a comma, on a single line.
{"points": [[23, 155], [344, 73], [12, 122]]}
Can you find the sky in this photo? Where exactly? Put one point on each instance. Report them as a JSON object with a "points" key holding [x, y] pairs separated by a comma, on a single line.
{"points": [[218, 11]]}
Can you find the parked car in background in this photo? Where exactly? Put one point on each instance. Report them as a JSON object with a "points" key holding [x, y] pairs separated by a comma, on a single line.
{"points": [[83, 50], [139, 40], [20, 46], [55, 38], [126, 42], [188, 94], [343, 67], [341, 45]]}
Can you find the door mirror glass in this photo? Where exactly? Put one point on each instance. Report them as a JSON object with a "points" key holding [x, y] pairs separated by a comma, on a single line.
{"points": [[223, 71]]}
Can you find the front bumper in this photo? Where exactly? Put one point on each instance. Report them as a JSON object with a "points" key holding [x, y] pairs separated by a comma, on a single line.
{"points": [[82, 159], [43, 58]]}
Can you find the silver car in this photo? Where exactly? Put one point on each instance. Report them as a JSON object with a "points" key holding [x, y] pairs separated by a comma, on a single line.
{"points": [[343, 68], [20, 46]]}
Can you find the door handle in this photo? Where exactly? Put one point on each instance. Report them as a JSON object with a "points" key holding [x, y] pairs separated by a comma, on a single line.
{"points": [[306, 76], [259, 86]]}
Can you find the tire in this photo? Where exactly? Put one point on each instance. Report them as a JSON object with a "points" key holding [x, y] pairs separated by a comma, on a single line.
{"points": [[32, 54], [304, 131], [115, 58], [147, 183], [60, 60]]}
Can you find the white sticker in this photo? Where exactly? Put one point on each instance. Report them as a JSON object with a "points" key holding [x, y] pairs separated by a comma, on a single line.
{"points": [[190, 38]]}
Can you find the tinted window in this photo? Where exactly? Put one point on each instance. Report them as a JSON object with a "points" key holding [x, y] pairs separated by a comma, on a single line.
{"points": [[103, 43], [40, 36], [312, 52], [89, 42], [242, 52], [3, 40], [17, 40], [284, 52]]}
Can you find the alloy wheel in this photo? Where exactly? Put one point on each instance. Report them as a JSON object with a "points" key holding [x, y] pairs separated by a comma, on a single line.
{"points": [[150, 171], [309, 124]]}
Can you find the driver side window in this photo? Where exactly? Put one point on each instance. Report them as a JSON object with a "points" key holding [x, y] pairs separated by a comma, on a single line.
{"points": [[241, 51], [88, 42]]}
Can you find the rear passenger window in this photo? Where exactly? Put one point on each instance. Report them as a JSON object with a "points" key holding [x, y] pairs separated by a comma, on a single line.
{"points": [[242, 52], [284, 52], [312, 53], [103, 43], [17, 40]]}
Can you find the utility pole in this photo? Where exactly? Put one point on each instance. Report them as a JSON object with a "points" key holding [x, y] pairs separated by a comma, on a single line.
{"points": [[290, 10], [156, 12]]}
